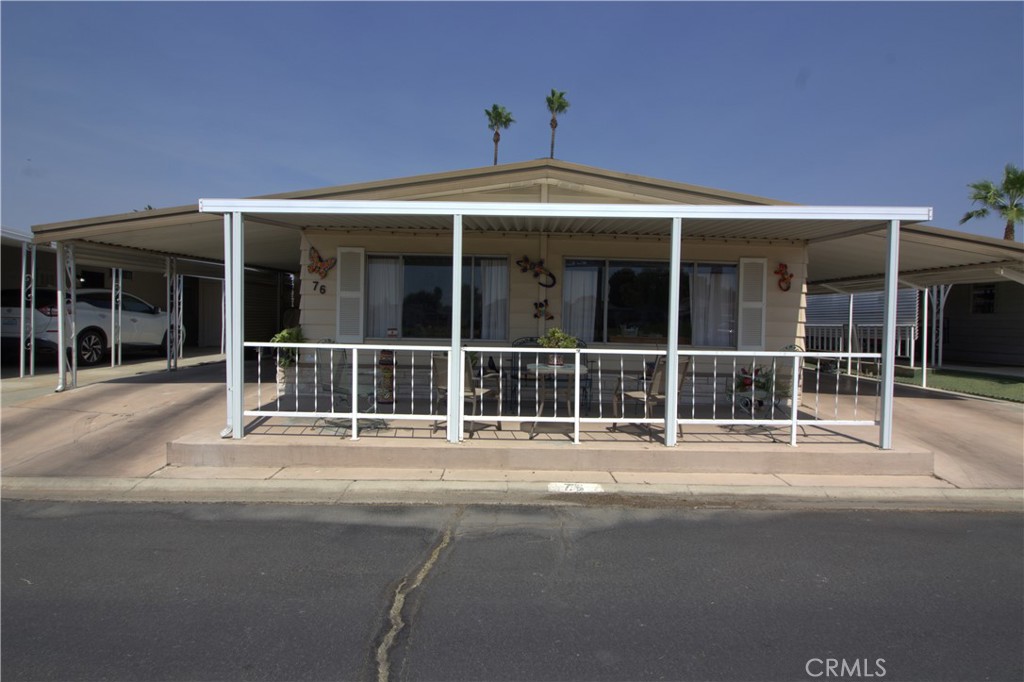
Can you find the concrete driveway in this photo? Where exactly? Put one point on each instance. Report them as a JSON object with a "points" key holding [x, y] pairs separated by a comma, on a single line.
{"points": [[116, 423], [978, 443], [119, 421]]}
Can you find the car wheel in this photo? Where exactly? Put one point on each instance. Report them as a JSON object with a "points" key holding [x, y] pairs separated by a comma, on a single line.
{"points": [[91, 346]]}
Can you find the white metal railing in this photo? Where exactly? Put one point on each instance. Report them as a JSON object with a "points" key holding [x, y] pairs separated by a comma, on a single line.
{"points": [[350, 382], [866, 337], [612, 388]]}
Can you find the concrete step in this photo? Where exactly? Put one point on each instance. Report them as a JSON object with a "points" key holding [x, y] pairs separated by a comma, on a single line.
{"points": [[201, 449]]}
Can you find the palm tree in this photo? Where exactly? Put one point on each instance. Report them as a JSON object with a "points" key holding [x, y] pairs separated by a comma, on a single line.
{"points": [[1007, 199], [498, 118], [557, 104]]}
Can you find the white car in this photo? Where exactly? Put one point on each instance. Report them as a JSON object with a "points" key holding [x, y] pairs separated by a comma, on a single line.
{"points": [[143, 326]]}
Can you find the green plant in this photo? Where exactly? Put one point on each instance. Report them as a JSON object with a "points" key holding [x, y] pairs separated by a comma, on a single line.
{"points": [[556, 338], [287, 356]]}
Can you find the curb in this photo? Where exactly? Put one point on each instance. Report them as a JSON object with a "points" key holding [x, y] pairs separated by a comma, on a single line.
{"points": [[96, 489]]}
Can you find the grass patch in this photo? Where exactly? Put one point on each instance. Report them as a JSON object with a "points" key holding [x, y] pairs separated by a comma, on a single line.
{"points": [[971, 383]]}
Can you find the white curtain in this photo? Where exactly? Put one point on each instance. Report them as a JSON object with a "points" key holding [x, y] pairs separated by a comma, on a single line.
{"points": [[580, 302], [713, 306], [494, 292], [384, 295]]}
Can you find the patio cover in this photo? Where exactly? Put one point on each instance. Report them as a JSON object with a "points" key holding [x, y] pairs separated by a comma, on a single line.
{"points": [[845, 254]]}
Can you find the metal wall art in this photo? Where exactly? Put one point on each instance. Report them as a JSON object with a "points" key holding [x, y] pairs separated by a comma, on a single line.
{"points": [[546, 279]]}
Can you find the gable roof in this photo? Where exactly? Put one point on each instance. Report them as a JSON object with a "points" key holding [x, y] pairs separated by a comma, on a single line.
{"points": [[541, 180]]}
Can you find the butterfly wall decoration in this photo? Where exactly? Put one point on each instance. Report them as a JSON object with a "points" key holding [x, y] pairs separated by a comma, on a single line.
{"points": [[538, 270], [318, 265]]}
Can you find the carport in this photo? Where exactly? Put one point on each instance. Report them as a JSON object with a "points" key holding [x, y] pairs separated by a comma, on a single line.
{"points": [[931, 260], [174, 259]]}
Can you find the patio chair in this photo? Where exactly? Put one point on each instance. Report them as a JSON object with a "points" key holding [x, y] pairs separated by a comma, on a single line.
{"points": [[472, 393], [784, 383], [651, 395], [784, 378]]}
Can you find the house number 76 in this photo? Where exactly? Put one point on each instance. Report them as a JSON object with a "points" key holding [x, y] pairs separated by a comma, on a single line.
{"points": [[321, 288]]}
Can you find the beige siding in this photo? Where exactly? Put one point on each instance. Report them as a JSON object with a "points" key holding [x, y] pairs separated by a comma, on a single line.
{"points": [[785, 309]]}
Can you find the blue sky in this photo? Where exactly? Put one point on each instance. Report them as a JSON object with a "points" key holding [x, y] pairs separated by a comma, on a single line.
{"points": [[108, 107]]}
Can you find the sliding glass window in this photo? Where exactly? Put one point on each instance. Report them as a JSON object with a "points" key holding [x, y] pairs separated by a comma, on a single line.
{"points": [[411, 297], [627, 301]]}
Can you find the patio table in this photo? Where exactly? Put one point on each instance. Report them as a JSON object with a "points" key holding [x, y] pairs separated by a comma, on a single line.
{"points": [[548, 374]]}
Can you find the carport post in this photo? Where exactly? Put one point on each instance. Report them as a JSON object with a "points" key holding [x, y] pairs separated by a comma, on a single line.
{"points": [[173, 313], [892, 269], [169, 275], [925, 295], [234, 255], [455, 372], [672, 360], [116, 281], [237, 347], [66, 317], [225, 342], [28, 296], [849, 339]]}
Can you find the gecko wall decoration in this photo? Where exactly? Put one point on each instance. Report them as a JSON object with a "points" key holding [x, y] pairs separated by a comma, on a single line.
{"points": [[538, 270]]}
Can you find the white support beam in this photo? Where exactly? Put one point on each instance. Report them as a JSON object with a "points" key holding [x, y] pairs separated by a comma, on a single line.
{"points": [[849, 338], [455, 360], [925, 294], [237, 323], [226, 346], [66, 337], [27, 321], [888, 369], [672, 360], [526, 210], [171, 277], [941, 294], [116, 318]]}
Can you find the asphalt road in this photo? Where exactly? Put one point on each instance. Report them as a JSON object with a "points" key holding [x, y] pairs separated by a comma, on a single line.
{"points": [[265, 592]]}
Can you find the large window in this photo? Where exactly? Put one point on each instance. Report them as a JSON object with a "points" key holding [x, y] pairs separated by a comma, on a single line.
{"points": [[411, 297], [621, 301]]}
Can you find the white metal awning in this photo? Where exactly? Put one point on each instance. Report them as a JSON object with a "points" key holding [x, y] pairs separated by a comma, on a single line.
{"points": [[846, 244]]}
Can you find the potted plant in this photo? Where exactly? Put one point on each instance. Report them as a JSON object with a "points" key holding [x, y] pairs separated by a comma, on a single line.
{"points": [[287, 358], [754, 387], [556, 338]]}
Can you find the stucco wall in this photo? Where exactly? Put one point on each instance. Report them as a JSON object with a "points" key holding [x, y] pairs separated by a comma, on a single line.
{"points": [[785, 309]]}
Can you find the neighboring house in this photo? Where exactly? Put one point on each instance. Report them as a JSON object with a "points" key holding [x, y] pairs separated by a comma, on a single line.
{"points": [[984, 324], [541, 244]]}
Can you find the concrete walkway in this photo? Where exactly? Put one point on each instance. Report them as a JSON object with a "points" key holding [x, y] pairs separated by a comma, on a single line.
{"points": [[107, 440]]}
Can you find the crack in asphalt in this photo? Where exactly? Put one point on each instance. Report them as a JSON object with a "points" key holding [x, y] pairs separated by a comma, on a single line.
{"points": [[405, 587]]}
